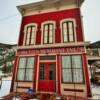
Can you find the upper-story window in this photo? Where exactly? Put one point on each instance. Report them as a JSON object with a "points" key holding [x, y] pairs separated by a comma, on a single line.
{"points": [[48, 31], [30, 34], [68, 31]]}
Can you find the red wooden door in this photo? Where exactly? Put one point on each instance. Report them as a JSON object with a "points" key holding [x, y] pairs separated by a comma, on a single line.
{"points": [[47, 77]]}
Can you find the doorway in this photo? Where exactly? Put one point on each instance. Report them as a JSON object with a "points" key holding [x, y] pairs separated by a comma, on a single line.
{"points": [[47, 77]]}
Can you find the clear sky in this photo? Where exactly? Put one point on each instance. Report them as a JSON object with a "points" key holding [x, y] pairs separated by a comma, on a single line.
{"points": [[10, 20]]}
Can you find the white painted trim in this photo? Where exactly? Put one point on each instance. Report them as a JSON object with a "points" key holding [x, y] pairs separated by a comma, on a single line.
{"points": [[51, 54], [15, 78], [82, 27], [16, 69], [25, 29], [26, 55], [47, 22], [60, 73], [56, 75], [31, 11], [37, 80], [84, 73], [37, 75], [75, 44], [74, 22]]}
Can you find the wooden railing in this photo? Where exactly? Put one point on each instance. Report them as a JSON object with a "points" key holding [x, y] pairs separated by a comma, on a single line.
{"points": [[93, 52]]}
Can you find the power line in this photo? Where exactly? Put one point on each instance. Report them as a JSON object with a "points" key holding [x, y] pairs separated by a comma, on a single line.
{"points": [[8, 17]]}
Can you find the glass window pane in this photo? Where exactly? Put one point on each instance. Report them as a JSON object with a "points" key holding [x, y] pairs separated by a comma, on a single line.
{"points": [[45, 33], [50, 40], [33, 34], [71, 37], [45, 40], [32, 41], [66, 62], [29, 74], [22, 62], [42, 71], [30, 62], [64, 25], [70, 25], [27, 41], [51, 33], [67, 75], [28, 35], [76, 61], [77, 75], [52, 71], [51, 27], [21, 73], [45, 27], [29, 30], [65, 38], [71, 31], [33, 28], [65, 32]]}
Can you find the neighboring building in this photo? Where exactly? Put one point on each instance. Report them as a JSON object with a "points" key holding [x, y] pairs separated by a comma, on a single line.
{"points": [[93, 55], [51, 57]]}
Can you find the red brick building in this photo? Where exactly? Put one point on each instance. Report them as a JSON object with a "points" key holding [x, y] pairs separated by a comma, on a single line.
{"points": [[51, 57]]}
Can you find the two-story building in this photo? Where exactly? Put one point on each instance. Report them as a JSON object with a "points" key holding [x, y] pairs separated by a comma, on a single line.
{"points": [[51, 57]]}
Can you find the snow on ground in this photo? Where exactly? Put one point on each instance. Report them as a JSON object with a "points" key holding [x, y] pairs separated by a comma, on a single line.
{"points": [[95, 91], [5, 88], [6, 83]]}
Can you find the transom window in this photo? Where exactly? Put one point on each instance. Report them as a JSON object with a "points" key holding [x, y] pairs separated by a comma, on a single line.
{"points": [[48, 33], [25, 69], [72, 71], [68, 31], [30, 35]]}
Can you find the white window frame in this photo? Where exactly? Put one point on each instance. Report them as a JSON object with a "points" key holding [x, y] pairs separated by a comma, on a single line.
{"points": [[25, 68], [42, 27], [73, 78], [74, 22], [25, 32]]}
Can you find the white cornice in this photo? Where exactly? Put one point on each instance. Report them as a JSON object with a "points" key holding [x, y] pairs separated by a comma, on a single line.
{"points": [[47, 4], [53, 45]]}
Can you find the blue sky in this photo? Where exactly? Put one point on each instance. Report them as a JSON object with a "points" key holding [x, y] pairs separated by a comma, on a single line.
{"points": [[10, 20]]}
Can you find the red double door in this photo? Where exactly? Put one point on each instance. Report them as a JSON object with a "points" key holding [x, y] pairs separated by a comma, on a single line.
{"points": [[47, 77]]}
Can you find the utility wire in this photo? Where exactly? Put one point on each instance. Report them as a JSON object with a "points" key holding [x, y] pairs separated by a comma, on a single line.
{"points": [[8, 17]]}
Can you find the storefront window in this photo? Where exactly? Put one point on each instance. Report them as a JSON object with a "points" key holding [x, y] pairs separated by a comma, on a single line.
{"points": [[26, 69], [72, 69]]}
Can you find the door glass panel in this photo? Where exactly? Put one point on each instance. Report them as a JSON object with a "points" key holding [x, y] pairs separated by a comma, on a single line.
{"points": [[52, 72], [42, 71]]}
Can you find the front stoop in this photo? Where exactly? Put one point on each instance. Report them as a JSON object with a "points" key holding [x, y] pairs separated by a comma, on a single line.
{"points": [[39, 96]]}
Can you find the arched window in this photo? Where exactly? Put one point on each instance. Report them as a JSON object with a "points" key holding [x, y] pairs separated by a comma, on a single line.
{"points": [[48, 31], [30, 34], [68, 31]]}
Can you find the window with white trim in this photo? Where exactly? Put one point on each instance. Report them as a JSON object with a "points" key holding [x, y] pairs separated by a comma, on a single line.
{"points": [[48, 33], [25, 69], [30, 35], [68, 34], [72, 71]]}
